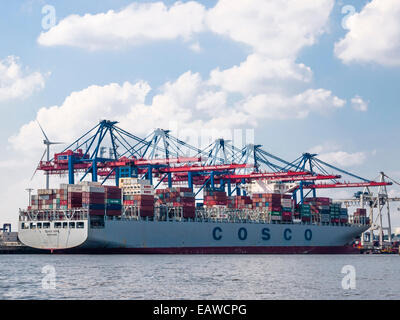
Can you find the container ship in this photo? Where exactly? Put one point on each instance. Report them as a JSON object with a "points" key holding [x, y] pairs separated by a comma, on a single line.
{"points": [[135, 218], [171, 197]]}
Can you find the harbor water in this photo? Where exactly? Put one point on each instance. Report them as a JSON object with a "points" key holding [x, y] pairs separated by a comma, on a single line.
{"points": [[203, 277]]}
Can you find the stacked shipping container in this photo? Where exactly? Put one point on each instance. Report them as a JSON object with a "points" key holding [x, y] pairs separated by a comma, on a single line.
{"points": [[112, 200], [319, 209], [213, 198], [178, 198], [323, 210], [109, 200], [278, 206], [139, 193], [93, 199], [360, 216], [97, 199], [240, 202]]}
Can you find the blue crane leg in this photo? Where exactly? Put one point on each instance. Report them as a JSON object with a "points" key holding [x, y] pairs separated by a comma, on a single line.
{"points": [[71, 177]]}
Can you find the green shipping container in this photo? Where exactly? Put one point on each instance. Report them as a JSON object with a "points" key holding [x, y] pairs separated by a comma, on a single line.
{"points": [[113, 201], [276, 213]]}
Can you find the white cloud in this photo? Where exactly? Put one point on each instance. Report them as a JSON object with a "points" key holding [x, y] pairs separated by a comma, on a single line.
{"points": [[188, 101], [278, 106], [259, 73], [195, 47], [277, 29], [344, 159], [15, 83], [7, 164], [374, 35], [136, 24], [359, 104], [330, 152], [79, 112]]}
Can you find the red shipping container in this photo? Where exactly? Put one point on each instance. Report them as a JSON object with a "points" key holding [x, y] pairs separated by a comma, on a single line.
{"points": [[96, 212], [143, 197], [147, 213], [113, 212], [189, 212]]}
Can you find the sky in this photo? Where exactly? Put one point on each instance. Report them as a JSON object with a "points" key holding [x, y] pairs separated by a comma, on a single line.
{"points": [[306, 76]]}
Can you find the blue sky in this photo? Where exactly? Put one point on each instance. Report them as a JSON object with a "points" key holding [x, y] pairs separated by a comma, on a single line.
{"points": [[366, 139]]}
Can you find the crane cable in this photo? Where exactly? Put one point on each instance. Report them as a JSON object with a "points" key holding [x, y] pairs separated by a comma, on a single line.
{"points": [[394, 181]]}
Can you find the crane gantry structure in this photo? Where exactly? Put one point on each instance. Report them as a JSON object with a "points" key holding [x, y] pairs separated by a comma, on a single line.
{"points": [[379, 201], [169, 160]]}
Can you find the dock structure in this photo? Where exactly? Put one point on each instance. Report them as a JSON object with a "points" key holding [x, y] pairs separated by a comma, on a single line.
{"points": [[10, 244]]}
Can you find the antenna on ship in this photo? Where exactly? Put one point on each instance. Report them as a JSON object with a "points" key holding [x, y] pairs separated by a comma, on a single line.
{"points": [[47, 143]]}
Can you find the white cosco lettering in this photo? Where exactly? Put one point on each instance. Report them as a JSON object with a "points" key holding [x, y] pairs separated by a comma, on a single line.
{"points": [[221, 309]]}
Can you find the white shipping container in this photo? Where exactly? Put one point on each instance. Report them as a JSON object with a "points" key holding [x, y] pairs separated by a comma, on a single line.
{"points": [[286, 203], [132, 181], [137, 188], [130, 192], [65, 186], [45, 191], [90, 183], [93, 189], [74, 188]]}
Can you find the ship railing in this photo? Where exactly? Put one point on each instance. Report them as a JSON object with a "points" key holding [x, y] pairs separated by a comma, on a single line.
{"points": [[217, 214], [221, 214], [54, 214]]}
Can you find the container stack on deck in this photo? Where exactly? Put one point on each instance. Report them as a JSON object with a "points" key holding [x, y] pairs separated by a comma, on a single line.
{"points": [[178, 198], [139, 193], [99, 200], [335, 212], [278, 206], [360, 216], [344, 215], [63, 194], [304, 212], [287, 208], [44, 200], [324, 211], [92, 196], [320, 209], [74, 196], [112, 200], [213, 198], [240, 202]]}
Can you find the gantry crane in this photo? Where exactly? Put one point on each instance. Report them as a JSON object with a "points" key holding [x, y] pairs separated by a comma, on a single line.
{"points": [[221, 165], [379, 201]]}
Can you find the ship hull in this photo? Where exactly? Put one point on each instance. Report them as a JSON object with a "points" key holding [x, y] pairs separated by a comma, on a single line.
{"points": [[190, 237]]}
